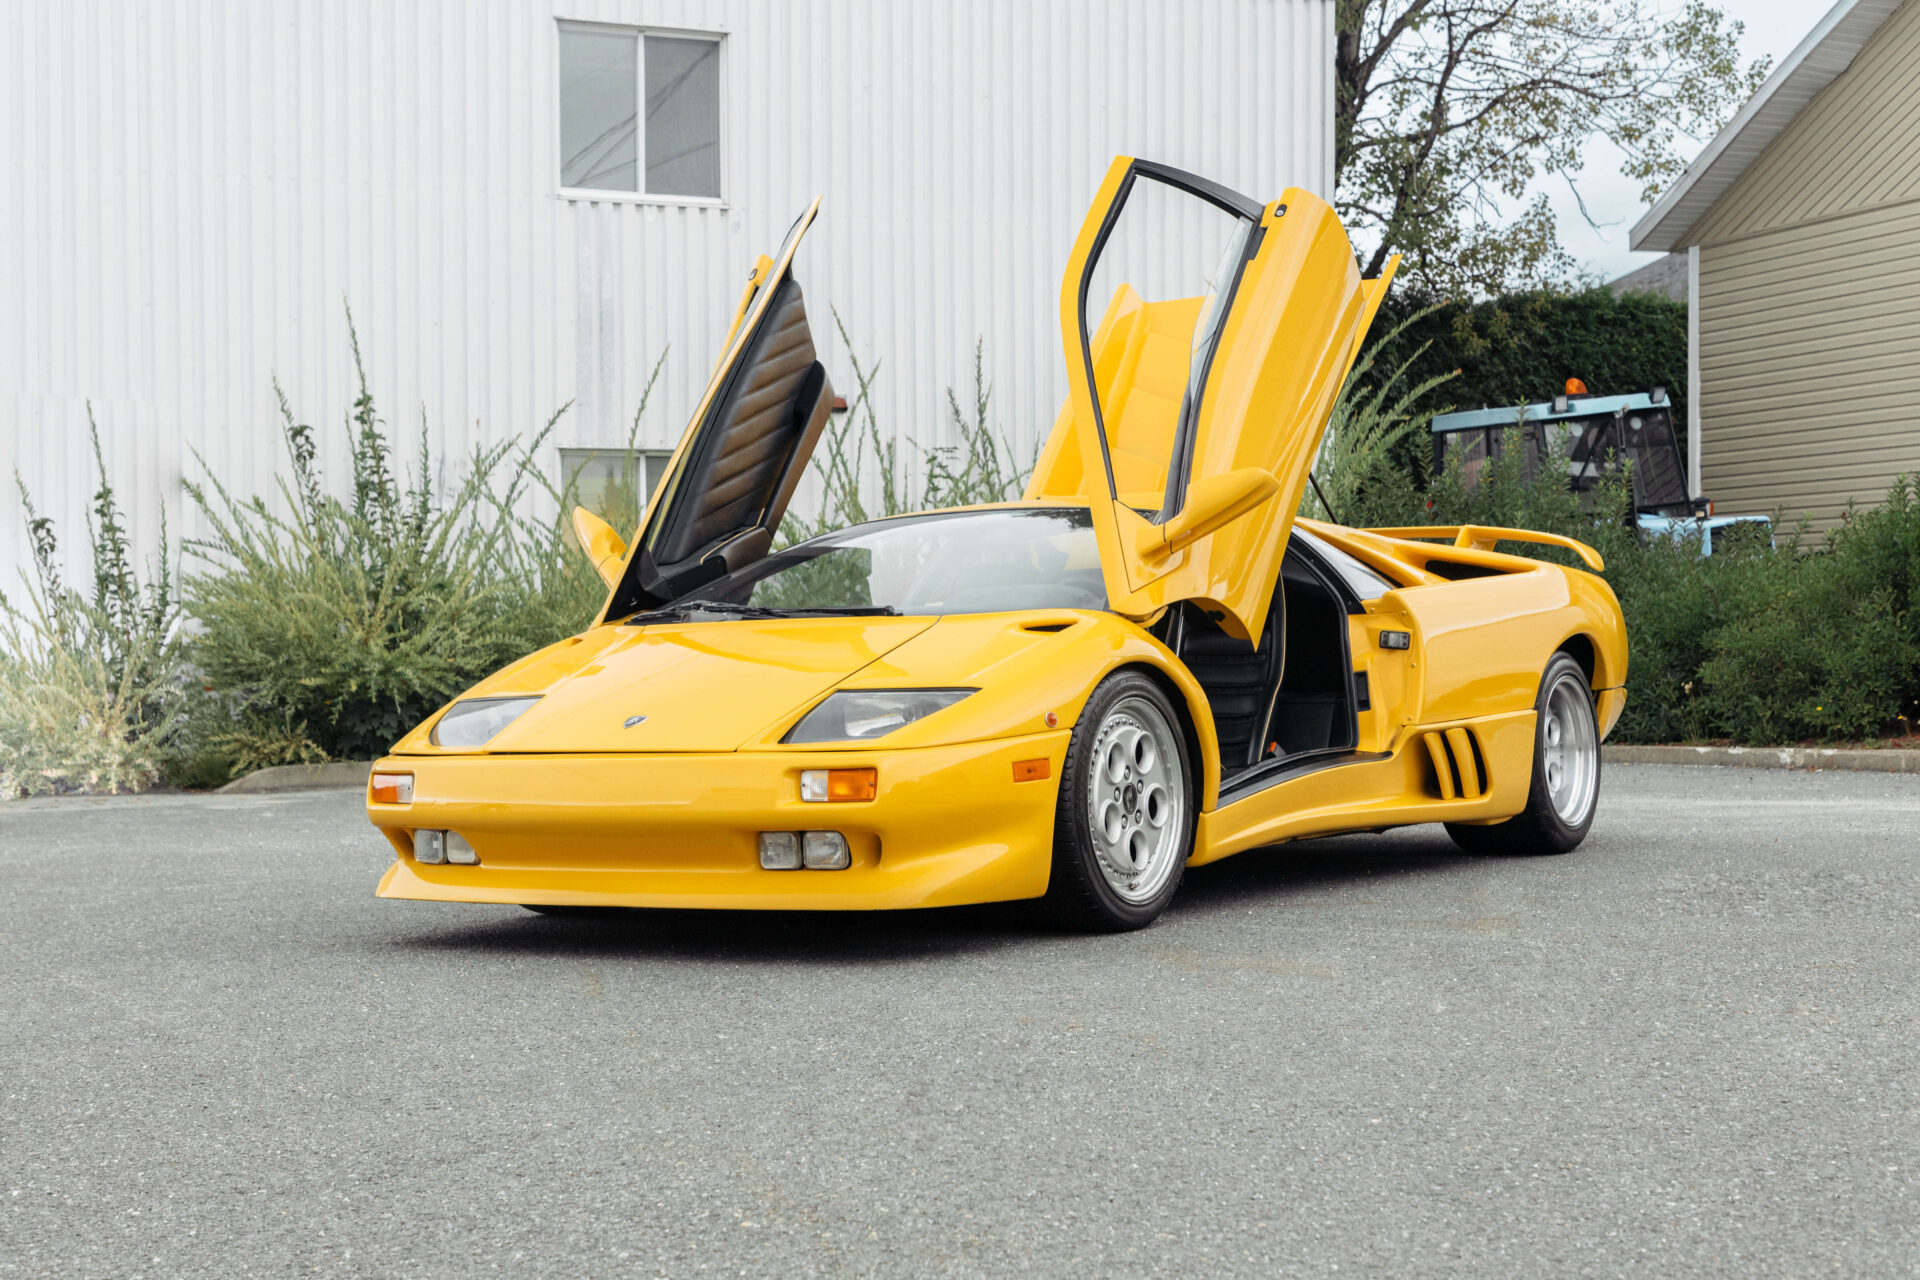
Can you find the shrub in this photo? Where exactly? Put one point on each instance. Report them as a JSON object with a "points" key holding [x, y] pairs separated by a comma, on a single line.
{"points": [[1822, 645], [89, 687], [332, 631]]}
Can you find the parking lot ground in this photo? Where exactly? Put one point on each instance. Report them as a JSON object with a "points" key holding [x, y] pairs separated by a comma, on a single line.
{"points": [[1688, 1048]]}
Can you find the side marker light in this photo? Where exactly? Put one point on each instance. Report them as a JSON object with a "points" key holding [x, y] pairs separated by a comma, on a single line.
{"points": [[1032, 770]]}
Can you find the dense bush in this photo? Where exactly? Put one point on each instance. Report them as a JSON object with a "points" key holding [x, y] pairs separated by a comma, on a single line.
{"points": [[330, 631]]}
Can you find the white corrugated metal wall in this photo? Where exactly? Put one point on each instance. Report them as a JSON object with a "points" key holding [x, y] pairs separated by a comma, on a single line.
{"points": [[191, 189]]}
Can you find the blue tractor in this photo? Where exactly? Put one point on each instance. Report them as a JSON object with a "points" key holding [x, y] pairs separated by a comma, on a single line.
{"points": [[1596, 435]]}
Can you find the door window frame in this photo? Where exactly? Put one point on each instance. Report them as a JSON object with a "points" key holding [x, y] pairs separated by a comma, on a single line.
{"points": [[1180, 462]]}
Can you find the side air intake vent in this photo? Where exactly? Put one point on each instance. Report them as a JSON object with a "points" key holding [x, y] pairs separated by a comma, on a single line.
{"points": [[1459, 770]]}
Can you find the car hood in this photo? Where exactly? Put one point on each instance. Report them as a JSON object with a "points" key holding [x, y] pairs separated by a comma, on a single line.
{"points": [[707, 686]]}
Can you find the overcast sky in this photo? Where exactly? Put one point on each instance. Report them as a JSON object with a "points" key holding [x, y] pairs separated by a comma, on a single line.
{"points": [[1774, 27]]}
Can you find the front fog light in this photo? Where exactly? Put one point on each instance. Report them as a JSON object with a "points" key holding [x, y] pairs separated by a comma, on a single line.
{"points": [[780, 850], [827, 851], [460, 852], [429, 846]]}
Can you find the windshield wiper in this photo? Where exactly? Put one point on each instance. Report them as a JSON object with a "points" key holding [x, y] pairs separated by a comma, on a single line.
{"points": [[716, 611]]}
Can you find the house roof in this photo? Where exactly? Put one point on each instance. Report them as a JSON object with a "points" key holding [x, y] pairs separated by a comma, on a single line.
{"points": [[1815, 63]]}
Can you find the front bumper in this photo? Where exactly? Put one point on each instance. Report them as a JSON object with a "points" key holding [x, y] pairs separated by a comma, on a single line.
{"points": [[947, 825]]}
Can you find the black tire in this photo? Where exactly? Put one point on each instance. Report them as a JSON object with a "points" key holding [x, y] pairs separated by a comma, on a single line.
{"points": [[1548, 824], [1087, 888]]}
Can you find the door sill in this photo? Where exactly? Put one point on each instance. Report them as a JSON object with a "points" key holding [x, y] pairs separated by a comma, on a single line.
{"points": [[1269, 773]]}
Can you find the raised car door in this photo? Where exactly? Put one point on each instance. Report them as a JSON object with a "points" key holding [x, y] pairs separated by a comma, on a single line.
{"points": [[735, 470], [1206, 339]]}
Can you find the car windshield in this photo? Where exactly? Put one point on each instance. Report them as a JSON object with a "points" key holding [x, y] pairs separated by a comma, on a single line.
{"points": [[954, 562]]}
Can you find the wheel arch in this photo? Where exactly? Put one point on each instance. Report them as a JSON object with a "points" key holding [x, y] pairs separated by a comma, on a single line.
{"points": [[1580, 647], [1190, 702]]}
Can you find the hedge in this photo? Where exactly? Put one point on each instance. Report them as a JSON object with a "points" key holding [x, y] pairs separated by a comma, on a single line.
{"points": [[1524, 346]]}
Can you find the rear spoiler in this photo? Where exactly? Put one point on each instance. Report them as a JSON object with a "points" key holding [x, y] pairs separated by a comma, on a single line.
{"points": [[1479, 537]]}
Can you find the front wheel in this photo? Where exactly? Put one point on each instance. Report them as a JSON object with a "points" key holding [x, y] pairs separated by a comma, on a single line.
{"points": [[1566, 773], [1124, 821]]}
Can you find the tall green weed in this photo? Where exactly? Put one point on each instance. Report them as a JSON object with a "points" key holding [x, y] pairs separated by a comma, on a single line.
{"points": [[89, 681], [333, 629]]}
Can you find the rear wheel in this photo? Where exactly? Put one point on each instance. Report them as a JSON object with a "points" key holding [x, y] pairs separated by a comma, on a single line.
{"points": [[1124, 823], [1566, 773]]}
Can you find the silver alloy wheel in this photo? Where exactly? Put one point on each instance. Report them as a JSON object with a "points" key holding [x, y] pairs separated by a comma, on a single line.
{"points": [[1136, 800], [1570, 749]]}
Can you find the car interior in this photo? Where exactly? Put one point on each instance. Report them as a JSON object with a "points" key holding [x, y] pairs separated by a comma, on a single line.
{"points": [[1291, 697]]}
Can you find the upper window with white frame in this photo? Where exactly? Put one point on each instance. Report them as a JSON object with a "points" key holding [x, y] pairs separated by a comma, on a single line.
{"points": [[639, 112]]}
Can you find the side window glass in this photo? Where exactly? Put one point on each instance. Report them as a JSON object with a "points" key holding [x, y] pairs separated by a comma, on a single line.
{"points": [[1361, 580]]}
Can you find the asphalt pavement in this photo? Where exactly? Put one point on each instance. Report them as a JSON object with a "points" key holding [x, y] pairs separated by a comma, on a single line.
{"points": [[1688, 1048]]}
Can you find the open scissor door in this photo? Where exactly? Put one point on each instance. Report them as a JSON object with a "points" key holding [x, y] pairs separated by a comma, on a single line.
{"points": [[1206, 338], [737, 466]]}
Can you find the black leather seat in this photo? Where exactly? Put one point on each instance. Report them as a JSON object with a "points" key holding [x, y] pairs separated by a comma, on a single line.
{"points": [[1238, 678]]}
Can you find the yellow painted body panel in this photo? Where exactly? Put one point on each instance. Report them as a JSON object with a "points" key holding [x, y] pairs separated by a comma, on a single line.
{"points": [[654, 754]]}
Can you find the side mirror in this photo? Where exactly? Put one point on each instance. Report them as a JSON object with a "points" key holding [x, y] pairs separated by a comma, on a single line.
{"points": [[1211, 503], [607, 549]]}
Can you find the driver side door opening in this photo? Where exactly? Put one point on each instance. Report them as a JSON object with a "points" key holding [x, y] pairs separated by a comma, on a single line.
{"points": [[1293, 697]]}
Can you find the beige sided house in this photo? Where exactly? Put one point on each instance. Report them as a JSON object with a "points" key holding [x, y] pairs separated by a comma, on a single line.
{"points": [[1801, 226]]}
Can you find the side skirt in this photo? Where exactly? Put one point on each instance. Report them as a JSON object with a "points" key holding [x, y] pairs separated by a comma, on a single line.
{"points": [[1359, 792]]}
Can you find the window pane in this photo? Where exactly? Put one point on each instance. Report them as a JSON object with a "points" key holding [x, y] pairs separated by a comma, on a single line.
{"points": [[683, 117], [609, 482], [599, 145]]}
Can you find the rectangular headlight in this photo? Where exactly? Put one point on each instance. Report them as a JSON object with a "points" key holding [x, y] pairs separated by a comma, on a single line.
{"points": [[473, 722], [857, 715]]}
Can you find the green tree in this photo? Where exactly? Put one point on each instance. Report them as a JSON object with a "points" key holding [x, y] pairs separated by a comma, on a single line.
{"points": [[1446, 111]]}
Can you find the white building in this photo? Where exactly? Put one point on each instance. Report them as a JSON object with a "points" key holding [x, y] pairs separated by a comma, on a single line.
{"points": [[190, 192]]}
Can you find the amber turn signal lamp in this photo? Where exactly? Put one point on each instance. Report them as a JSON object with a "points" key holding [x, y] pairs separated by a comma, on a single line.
{"points": [[391, 788], [1575, 387], [839, 784], [1032, 770]]}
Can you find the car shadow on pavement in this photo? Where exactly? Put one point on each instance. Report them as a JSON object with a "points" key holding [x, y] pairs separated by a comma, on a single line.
{"points": [[1318, 868], [1276, 876]]}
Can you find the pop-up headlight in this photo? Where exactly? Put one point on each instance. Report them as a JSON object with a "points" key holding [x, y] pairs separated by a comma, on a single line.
{"points": [[474, 721], [855, 715]]}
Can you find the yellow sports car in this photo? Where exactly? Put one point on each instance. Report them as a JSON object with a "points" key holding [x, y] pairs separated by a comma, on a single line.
{"points": [[1146, 663]]}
